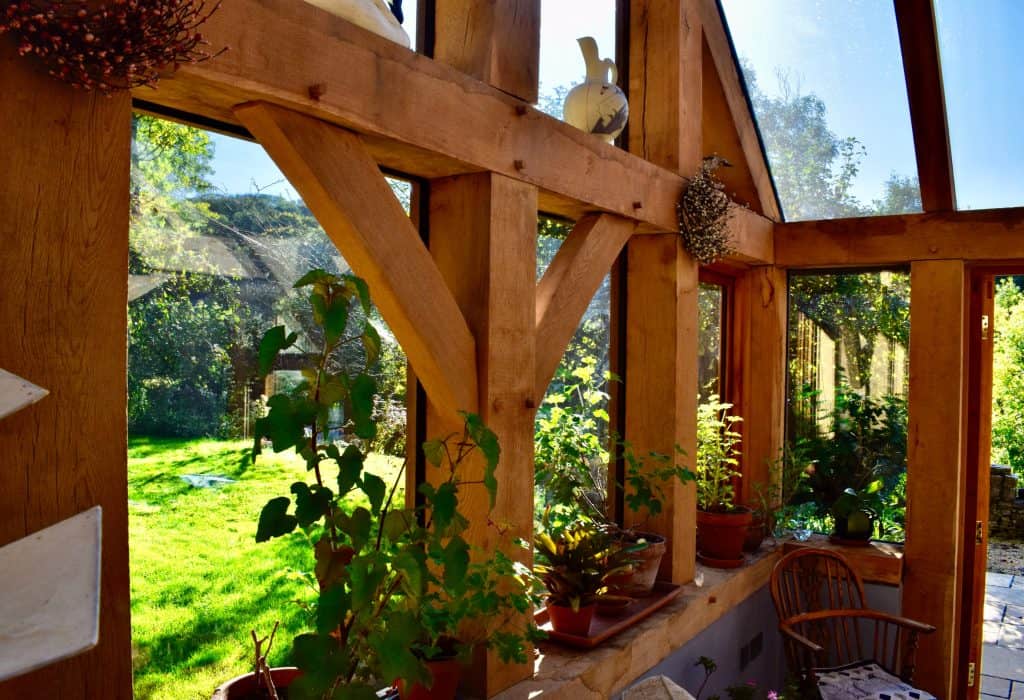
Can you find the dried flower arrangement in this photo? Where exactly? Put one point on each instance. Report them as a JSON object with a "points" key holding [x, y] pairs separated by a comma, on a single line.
{"points": [[117, 45], [704, 214]]}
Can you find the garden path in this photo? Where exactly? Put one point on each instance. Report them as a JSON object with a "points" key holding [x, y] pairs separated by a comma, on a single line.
{"points": [[1002, 661]]}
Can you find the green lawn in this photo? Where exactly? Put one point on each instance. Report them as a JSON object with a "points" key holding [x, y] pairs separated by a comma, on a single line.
{"points": [[200, 582]]}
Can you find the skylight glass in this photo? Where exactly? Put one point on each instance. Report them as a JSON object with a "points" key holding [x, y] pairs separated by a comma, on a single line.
{"points": [[562, 22], [826, 79], [981, 53]]}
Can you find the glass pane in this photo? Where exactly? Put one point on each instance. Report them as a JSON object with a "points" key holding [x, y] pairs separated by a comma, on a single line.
{"points": [[572, 431], [217, 240], [980, 45], [709, 347], [848, 379], [829, 95], [562, 22]]}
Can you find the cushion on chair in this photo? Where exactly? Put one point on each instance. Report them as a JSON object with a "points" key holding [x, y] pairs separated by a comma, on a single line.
{"points": [[865, 680]]}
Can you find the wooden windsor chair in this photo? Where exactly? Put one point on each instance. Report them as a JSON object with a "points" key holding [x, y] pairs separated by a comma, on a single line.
{"points": [[825, 625]]}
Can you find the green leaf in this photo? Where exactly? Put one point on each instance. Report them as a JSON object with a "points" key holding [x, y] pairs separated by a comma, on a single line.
{"points": [[316, 276], [366, 575], [311, 504], [394, 650], [335, 319], [375, 490], [362, 290], [397, 523], [275, 520], [371, 343], [362, 391], [357, 526], [332, 389], [350, 469], [334, 603], [443, 506], [456, 563], [274, 341], [433, 450], [485, 439]]}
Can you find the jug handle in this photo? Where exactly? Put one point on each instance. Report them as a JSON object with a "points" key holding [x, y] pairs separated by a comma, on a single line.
{"points": [[613, 69]]}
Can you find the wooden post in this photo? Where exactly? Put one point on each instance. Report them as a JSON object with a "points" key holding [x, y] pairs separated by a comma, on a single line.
{"points": [[496, 41], [758, 373], [661, 285], [64, 286], [935, 467], [483, 233]]}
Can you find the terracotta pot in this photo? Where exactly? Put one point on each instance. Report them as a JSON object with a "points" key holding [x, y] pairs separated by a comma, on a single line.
{"points": [[245, 688], [720, 536], [445, 673], [756, 532], [568, 621], [640, 581]]}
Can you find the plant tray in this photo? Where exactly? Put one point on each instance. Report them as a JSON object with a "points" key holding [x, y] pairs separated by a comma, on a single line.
{"points": [[605, 627]]}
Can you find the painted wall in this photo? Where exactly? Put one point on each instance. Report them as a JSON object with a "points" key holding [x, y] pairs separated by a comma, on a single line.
{"points": [[724, 639]]}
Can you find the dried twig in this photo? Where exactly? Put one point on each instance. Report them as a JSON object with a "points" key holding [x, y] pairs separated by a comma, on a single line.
{"points": [[262, 670]]}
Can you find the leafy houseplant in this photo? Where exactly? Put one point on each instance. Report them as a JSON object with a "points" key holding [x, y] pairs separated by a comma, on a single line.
{"points": [[856, 512], [398, 587], [721, 524], [574, 563], [571, 473]]}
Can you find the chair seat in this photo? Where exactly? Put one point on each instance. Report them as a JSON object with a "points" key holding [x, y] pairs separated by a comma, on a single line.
{"points": [[865, 680]]}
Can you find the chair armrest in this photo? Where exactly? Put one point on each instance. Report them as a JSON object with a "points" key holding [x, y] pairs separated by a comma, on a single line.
{"points": [[800, 639], [863, 613]]}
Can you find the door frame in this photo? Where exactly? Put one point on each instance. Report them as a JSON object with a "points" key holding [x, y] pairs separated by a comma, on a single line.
{"points": [[978, 361]]}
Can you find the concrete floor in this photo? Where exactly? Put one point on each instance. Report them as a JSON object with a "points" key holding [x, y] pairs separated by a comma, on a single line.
{"points": [[1002, 661]]}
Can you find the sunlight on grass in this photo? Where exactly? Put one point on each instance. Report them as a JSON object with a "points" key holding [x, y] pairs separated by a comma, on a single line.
{"points": [[200, 582]]}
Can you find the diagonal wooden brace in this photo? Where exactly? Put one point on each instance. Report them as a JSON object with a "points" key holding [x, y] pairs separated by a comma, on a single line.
{"points": [[569, 284], [347, 193]]}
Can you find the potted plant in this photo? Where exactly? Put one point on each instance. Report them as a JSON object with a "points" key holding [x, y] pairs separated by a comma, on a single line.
{"points": [[397, 586], [573, 565], [721, 524], [856, 512], [572, 473]]}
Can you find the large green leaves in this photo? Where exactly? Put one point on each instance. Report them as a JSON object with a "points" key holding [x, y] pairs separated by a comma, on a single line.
{"points": [[274, 341], [362, 391], [275, 520], [485, 439]]}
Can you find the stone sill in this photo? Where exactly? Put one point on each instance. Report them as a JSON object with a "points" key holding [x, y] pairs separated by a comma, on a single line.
{"points": [[879, 562], [566, 674]]}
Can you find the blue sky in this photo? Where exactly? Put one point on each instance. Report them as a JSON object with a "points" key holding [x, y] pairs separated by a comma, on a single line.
{"points": [[846, 52]]}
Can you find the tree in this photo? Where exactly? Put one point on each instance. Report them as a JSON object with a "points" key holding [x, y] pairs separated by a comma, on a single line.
{"points": [[1008, 377]]}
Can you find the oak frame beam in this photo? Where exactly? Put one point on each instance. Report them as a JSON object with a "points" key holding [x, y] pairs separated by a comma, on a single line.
{"points": [[570, 282], [718, 43], [430, 121], [921, 65], [343, 187], [980, 235]]}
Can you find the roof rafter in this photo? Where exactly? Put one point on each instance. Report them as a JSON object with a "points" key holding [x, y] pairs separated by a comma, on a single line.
{"points": [[923, 71]]}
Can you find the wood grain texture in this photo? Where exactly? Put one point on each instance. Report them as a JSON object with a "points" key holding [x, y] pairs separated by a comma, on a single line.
{"points": [[757, 374], [417, 116], [345, 190], [879, 562], [731, 83], [934, 469], [661, 383], [570, 282], [495, 41], [919, 42], [993, 234], [64, 257], [483, 231]]}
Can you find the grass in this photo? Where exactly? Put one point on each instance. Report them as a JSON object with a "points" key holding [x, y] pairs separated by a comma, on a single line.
{"points": [[200, 582]]}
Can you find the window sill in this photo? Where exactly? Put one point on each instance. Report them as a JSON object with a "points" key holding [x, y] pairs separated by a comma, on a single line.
{"points": [[879, 562], [560, 672]]}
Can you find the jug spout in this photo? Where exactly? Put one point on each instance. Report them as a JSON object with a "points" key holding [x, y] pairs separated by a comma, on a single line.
{"points": [[596, 68]]}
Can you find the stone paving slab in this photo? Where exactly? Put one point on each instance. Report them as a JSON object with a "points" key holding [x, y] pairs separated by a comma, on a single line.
{"points": [[995, 612], [1013, 613], [996, 687], [1002, 662], [1011, 636], [1006, 596], [990, 632], [1003, 580]]}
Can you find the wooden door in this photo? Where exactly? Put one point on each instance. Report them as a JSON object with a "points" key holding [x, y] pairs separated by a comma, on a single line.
{"points": [[976, 489]]}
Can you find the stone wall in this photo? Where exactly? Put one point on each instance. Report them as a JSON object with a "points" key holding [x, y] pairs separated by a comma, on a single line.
{"points": [[1006, 511]]}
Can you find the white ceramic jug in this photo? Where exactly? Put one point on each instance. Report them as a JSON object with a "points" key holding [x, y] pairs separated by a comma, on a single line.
{"points": [[597, 106], [372, 15]]}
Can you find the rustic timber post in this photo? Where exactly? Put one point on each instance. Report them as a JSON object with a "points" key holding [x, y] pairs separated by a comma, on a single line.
{"points": [[63, 316], [661, 279], [497, 42], [483, 233], [935, 467], [757, 373]]}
